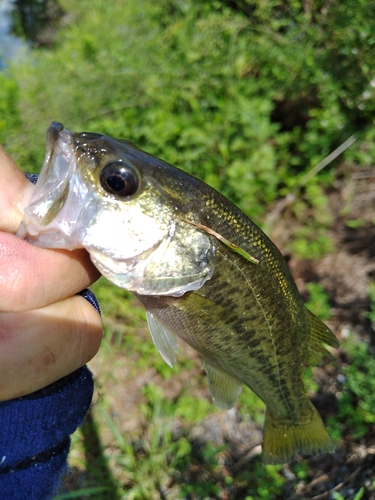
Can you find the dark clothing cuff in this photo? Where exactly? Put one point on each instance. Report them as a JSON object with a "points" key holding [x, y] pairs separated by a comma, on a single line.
{"points": [[34, 436]]}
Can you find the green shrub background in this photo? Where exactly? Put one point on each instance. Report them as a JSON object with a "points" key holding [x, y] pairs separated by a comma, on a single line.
{"points": [[247, 95]]}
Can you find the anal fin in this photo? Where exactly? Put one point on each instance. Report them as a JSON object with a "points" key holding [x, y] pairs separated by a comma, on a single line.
{"points": [[164, 338], [224, 389]]}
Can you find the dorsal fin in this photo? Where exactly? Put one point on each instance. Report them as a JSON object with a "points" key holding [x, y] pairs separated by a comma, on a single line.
{"points": [[224, 389], [318, 334], [164, 339]]}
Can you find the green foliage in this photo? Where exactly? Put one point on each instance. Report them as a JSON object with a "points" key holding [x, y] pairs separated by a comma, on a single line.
{"points": [[193, 410], [360, 379], [247, 95], [357, 400], [310, 242], [310, 210], [262, 482], [149, 461], [318, 301], [336, 495], [251, 406], [96, 492], [300, 469], [355, 223], [9, 113]]}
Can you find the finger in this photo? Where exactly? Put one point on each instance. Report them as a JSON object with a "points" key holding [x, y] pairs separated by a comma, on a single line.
{"points": [[15, 191], [32, 277], [39, 347]]}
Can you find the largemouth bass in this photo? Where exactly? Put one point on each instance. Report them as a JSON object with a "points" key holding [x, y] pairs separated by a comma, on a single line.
{"points": [[203, 270]]}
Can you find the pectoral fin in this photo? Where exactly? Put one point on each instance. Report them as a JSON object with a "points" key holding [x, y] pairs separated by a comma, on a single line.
{"points": [[164, 339], [223, 388]]}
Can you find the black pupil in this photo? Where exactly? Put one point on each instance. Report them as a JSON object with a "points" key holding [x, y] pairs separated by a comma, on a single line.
{"points": [[120, 179], [116, 182]]}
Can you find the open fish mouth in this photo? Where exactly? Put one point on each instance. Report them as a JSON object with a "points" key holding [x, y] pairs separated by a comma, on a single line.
{"points": [[134, 236], [43, 223]]}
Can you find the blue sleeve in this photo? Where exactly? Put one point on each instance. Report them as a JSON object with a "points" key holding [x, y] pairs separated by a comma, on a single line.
{"points": [[35, 436]]}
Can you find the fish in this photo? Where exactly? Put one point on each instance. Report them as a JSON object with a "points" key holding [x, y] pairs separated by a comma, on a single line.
{"points": [[204, 271]]}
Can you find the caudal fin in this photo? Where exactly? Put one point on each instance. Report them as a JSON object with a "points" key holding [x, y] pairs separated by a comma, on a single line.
{"points": [[281, 441]]}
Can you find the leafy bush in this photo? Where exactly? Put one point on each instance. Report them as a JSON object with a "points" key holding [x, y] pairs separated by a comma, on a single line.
{"points": [[318, 301], [357, 399], [9, 113], [247, 95], [360, 380]]}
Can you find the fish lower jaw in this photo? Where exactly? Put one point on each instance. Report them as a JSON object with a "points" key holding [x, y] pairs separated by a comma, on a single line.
{"points": [[131, 275], [52, 238], [125, 273], [128, 274]]}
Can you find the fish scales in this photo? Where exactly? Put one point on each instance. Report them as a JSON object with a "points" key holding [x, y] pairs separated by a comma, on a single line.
{"points": [[203, 270], [256, 352]]}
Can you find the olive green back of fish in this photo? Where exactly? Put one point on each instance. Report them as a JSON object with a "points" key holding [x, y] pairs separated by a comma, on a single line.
{"points": [[249, 323]]}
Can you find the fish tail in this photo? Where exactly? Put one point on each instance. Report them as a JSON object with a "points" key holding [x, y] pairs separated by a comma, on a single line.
{"points": [[282, 441]]}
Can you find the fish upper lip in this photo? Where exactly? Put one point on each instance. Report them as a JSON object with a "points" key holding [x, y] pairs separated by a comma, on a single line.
{"points": [[59, 151], [57, 139], [54, 131]]}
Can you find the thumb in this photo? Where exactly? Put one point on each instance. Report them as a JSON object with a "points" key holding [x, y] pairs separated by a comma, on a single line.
{"points": [[15, 191]]}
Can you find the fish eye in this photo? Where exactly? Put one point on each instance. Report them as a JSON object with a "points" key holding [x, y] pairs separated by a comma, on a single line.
{"points": [[119, 178]]}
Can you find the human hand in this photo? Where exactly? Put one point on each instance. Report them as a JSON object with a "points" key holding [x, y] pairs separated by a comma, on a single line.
{"points": [[46, 332]]}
